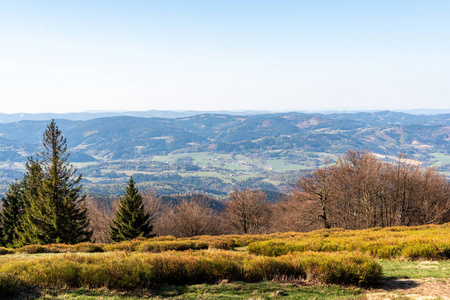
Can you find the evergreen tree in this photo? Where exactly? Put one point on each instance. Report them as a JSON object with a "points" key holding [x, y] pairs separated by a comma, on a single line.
{"points": [[26, 231], [13, 208], [54, 210], [131, 219], [31, 229]]}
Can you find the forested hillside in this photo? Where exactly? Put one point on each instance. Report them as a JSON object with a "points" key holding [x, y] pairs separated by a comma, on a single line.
{"points": [[217, 152]]}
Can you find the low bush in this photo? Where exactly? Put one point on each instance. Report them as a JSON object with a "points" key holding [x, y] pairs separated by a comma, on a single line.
{"points": [[128, 246], [222, 244], [59, 248], [417, 250], [444, 249], [340, 268], [160, 246], [124, 271], [34, 249], [88, 247], [10, 285], [4, 251], [421, 242]]}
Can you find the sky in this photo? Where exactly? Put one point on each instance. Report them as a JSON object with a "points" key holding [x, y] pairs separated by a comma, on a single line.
{"points": [[279, 55]]}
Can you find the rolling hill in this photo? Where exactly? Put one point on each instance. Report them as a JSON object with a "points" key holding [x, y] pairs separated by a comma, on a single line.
{"points": [[219, 152]]}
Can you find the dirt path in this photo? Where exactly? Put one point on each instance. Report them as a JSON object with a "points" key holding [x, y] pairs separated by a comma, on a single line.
{"points": [[423, 288]]}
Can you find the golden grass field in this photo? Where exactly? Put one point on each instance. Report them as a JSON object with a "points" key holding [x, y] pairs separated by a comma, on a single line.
{"points": [[334, 256]]}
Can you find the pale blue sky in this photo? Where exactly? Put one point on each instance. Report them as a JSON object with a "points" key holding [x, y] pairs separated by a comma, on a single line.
{"points": [[66, 56]]}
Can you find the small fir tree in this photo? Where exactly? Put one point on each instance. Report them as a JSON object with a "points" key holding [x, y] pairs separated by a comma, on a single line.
{"points": [[131, 219], [13, 208], [26, 232]]}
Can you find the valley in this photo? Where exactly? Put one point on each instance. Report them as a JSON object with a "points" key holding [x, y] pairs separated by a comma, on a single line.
{"points": [[217, 153]]}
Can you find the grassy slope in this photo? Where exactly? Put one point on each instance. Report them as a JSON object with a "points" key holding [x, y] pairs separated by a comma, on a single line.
{"points": [[235, 290], [262, 290], [400, 267], [416, 269]]}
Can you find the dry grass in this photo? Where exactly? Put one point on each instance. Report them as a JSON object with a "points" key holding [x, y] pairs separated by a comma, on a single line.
{"points": [[126, 271], [421, 242], [334, 256]]}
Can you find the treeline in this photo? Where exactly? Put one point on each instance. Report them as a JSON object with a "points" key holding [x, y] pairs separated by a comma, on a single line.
{"points": [[358, 191]]}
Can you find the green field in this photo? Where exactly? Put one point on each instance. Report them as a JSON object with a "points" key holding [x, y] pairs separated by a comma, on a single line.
{"points": [[441, 158], [224, 177], [231, 162], [226, 168], [416, 269], [274, 169], [442, 163], [281, 165]]}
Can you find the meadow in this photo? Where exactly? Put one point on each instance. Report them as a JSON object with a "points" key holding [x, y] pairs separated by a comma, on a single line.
{"points": [[332, 263]]}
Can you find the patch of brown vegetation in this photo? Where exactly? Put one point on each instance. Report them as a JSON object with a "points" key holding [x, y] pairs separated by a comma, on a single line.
{"points": [[423, 288]]}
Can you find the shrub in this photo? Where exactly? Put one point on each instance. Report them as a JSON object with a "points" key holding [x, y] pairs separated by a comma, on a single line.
{"points": [[33, 249], [444, 250], [123, 246], [222, 244], [171, 245], [270, 248], [4, 251], [164, 238], [268, 268], [340, 268], [128, 271], [384, 243], [10, 285], [88, 247], [427, 242], [415, 251], [58, 248]]}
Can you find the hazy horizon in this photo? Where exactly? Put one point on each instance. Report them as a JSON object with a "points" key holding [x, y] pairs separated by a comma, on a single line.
{"points": [[425, 111]]}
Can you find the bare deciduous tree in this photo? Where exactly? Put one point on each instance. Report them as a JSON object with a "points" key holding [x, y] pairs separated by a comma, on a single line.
{"points": [[296, 212], [319, 187], [192, 216], [100, 218], [247, 212], [157, 211], [360, 191], [195, 218]]}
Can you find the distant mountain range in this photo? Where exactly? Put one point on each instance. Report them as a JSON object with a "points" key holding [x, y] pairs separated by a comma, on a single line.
{"points": [[83, 116], [293, 139]]}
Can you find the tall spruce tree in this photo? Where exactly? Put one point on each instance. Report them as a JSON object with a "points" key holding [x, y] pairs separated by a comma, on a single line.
{"points": [[13, 208], [54, 209], [131, 219]]}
